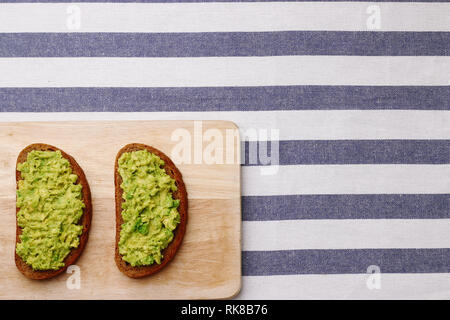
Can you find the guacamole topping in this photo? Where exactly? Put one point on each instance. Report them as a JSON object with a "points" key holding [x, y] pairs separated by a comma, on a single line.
{"points": [[50, 205], [149, 212]]}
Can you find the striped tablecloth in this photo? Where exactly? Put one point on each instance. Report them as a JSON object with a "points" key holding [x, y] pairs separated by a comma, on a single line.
{"points": [[353, 97]]}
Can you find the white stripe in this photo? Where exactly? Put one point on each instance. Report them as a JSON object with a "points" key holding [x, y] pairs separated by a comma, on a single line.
{"points": [[345, 234], [346, 179], [208, 17], [223, 71], [292, 125], [346, 286]]}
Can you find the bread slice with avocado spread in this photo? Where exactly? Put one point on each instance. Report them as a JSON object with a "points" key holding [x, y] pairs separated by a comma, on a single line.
{"points": [[53, 211], [151, 210]]}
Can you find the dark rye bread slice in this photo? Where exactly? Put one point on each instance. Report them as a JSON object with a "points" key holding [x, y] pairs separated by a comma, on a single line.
{"points": [[180, 194], [85, 220]]}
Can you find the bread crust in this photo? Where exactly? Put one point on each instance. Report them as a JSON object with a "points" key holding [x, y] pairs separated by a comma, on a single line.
{"points": [[180, 194], [85, 220]]}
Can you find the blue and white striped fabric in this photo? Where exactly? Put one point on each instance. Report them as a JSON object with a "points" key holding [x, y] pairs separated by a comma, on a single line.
{"points": [[358, 91]]}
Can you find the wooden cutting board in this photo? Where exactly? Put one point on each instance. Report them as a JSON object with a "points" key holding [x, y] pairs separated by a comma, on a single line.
{"points": [[208, 263]]}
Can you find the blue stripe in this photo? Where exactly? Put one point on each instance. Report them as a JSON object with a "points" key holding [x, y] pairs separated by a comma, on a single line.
{"points": [[354, 206], [225, 98], [295, 152], [224, 44], [265, 263]]}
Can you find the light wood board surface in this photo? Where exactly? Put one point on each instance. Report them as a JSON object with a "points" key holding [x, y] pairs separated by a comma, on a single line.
{"points": [[208, 263]]}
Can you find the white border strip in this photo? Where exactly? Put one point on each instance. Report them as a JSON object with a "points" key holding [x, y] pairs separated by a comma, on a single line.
{"points": [[224, 71], [223, 17], [345, 234]]}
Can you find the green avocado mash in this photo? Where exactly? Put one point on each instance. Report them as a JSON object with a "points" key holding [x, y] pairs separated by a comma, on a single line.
{"points": [[150, 214], [50, 207]]}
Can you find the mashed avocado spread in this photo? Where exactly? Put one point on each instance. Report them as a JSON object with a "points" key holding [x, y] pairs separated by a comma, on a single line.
{"points": [[50, 207], [150, 214]]}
